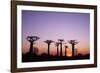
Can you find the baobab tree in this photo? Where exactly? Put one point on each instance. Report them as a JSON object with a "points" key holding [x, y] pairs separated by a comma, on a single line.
{"points": [[32, 39], [48, 43], [60, 41], [66, 50], [73, 43], [57, 45]]}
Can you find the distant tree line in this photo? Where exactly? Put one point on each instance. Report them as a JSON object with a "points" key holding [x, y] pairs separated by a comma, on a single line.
{"points": [[32, 54]]}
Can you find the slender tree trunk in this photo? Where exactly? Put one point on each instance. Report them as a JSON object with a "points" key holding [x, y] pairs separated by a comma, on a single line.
{"points": [[48, 49], [72, 50], [61, 49]]}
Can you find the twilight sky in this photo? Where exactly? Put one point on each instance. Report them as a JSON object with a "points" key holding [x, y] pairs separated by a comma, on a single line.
{"points": [[53, 26]]}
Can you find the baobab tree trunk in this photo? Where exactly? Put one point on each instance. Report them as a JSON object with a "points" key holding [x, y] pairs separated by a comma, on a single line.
{"points": [[48, 49], [73, 43], [32, 39], [48, 42], [31, 47], [57, 50], [61, 49], [60, 41], [73, 50]]}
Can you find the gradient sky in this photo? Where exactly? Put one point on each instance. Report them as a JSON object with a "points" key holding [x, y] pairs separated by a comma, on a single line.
{"points": [[53, 26]]}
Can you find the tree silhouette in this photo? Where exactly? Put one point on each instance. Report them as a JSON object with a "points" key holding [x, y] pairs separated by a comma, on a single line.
{"points": [[57, 45], [32, 39], [66, 50], [73, 43], [48, 43], [60, 41]]}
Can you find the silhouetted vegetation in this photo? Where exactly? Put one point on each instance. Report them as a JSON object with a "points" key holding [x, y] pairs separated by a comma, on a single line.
{"points": [[44, 57], [66, 50], [57, 45], [73, 43], [33, 56], [60, 41], [49, 43]]}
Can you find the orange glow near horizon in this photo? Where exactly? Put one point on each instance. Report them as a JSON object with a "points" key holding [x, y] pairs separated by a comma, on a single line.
{"points": [[82, 48], [42, 47], [53, 51]]}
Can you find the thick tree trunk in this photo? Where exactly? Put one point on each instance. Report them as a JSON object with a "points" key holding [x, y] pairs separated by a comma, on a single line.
{"points": [[61, 49], [48, 49], [31, 47]]}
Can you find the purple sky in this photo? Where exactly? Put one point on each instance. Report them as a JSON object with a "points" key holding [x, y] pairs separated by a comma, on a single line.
{"points": [[56, 25]]}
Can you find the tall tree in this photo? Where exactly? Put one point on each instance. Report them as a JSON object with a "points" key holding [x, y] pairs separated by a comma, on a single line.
{"points": [[48, 43], [66, 50], [57, 45], [73, 43], [32, 39], [60, 41]]}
